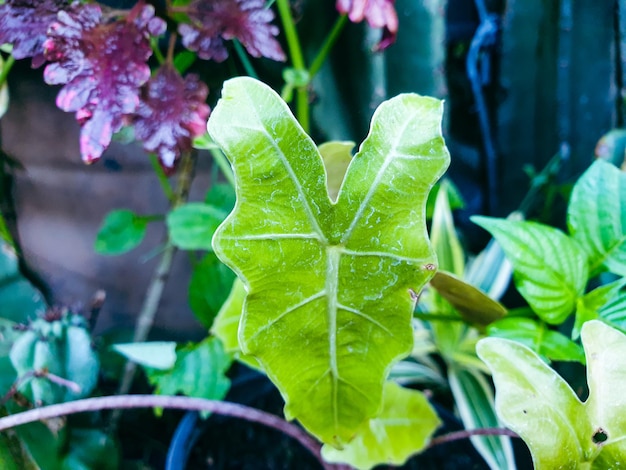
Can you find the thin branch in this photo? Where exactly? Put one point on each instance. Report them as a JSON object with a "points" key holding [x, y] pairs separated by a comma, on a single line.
{"points": [[154, 293], [467, 433], [223, 408]]}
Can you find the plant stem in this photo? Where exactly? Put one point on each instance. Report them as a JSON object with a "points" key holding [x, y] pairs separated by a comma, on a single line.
{"points": [[6, 68], [245, 60], [466, 433], [297, 59], [223, 408], [155, 288], [222, 162], [329, 42], [162, 177]]}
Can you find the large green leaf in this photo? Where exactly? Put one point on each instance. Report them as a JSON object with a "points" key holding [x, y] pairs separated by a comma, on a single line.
{"points": [[331, 286], [403, 428], [534, 401], [550, 269], [597, 216]]}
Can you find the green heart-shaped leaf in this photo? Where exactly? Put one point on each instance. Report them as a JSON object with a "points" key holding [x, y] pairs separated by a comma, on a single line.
{"points": [[597, 216], [550, 269], [330, 286], [534, 401]]}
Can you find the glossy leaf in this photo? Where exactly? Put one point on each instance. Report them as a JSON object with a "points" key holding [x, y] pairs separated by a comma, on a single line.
{"points": [[537, 336], [614, 312], [403, 428], [473, 304], [337, 157], [597, 216], [331, 287], [154, 354], [474, 401], [191, 226], [121, 231], [550, 269], [534, 401], [209, 286]]}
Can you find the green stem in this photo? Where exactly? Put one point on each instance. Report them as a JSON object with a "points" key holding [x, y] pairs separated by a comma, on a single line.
{"points": [[437, 317], [6, 68], [154, 43], [297, 59], [330, 41], [162, 177], [151, 302], [224, 165], [245, 60]]}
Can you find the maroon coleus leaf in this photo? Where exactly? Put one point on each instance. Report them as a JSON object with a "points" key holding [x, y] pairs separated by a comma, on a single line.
{"points": [[102, 66], [172, 112], [23, 23], [214, 22], [378, 13]]}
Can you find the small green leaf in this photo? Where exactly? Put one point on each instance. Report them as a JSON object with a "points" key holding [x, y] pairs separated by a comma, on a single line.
{"points": [[402, 428], [454, 196], [538, 337], [474, 401], [590, 305], [199, 372], [91, 449], [121, 231], [328, 284], [614, 312], [337, 157], [154, 354], [597, 217], [210, 284], [191, 226], [550, 269], [473, 304]]}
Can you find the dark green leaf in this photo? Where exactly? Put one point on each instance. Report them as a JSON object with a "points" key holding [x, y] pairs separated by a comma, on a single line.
{"points": [[121, 231], [191, 226], [550, 269], [211, 281], [597, 217]]}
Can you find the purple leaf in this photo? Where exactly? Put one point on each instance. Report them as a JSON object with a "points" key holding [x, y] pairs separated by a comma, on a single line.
{"points": [[103, 66], [217, 21], [378, 13], [24, 23], [171, 114]]}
